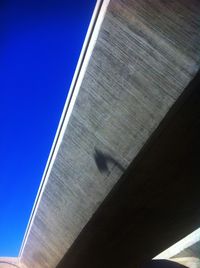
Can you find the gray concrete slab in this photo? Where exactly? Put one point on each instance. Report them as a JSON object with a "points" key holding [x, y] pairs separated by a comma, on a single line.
{"points": [[155, 203], [145, 54]]}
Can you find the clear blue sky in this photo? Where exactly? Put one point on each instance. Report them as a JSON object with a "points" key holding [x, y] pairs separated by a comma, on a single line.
{"points": [[40, 42]]}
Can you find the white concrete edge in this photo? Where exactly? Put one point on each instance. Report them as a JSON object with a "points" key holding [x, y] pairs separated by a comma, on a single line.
{"points": [[184, 243], [86, 52]]}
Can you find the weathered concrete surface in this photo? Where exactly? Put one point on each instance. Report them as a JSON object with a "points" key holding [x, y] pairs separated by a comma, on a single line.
{"points": [[145, 55], [155, 203]]}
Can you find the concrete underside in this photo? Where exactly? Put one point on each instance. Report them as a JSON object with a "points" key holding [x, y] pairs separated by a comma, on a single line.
{"points": [[155, 203], [145, 55]]}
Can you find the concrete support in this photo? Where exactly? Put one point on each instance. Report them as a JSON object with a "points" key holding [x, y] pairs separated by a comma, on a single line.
{"points": [[138, 59], [155, 203]]}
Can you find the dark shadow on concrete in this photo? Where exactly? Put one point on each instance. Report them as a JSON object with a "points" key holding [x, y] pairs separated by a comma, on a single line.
{"points": [[162, 264], [102, 160], [157, 200]]}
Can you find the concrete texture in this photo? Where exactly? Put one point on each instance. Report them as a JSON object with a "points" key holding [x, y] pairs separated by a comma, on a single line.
{"points": [[145, 55], [155, 203]]}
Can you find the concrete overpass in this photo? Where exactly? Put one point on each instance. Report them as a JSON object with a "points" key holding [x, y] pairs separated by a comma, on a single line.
{"points": [[122, 180]]}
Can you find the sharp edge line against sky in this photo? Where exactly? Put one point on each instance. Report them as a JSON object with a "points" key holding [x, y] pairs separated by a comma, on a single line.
{"points": [[40, 43]]}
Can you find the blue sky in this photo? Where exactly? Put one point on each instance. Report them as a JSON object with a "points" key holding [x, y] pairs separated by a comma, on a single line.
{"points": [[40, 42]]}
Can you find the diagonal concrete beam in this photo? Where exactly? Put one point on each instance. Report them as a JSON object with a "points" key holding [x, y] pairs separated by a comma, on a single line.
{"points": [[189, 246], [137, 59], [156, 201]]}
